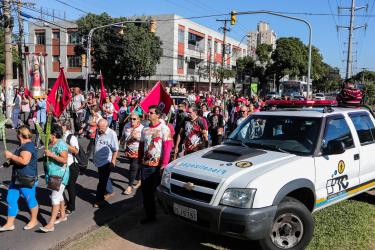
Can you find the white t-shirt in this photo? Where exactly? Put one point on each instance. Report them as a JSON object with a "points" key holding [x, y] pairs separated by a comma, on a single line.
{"points": [[74, 143], [240, 120], [77, 103], [109, 107]]}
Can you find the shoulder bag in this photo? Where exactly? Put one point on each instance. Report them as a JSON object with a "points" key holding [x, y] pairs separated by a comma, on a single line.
{"points": [[54, 181]]}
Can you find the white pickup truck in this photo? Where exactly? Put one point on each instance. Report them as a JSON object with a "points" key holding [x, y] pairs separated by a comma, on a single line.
{"points": [[274, 170]]}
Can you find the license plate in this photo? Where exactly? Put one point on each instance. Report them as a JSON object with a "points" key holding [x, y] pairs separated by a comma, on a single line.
{"points": [[186, 212]]}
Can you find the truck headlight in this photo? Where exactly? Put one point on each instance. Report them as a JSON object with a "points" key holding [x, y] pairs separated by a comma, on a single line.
{"points": [[238, 197], [166, 178]]}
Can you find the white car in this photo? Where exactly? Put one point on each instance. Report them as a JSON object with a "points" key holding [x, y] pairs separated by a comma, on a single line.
{"points": [[275, 169], [319, 96]]}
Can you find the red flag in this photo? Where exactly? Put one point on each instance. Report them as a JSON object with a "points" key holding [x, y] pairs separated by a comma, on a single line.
{"points": [[60, 95], [157, 96], [103, 93], [27, 91]]}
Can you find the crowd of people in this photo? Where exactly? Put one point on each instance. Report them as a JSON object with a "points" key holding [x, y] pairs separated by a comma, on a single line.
{"points": [[116, 126]]}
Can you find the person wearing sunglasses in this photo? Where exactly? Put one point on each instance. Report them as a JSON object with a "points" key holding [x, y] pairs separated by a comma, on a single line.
{"points": [[154, 153], [131, 137], [243, 114]]}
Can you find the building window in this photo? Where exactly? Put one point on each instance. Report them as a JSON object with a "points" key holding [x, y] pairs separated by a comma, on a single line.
{"points": [[192, 39], [56, 35], [73, 37], [181, 36], [55, 58], [215, 47], [74, 61], [180, 62], [40, 38]]}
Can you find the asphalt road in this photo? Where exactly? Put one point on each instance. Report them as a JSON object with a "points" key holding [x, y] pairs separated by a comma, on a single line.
{"points": [[83, 220]]}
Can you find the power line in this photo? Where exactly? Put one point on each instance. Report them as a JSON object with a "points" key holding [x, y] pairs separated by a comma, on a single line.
{"points": [[71, 6]]}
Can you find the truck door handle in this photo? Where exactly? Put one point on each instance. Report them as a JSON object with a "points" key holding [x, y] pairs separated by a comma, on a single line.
{"points": [[356, 157]]}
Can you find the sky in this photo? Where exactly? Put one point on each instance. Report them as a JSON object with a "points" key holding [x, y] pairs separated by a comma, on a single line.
{"points": [[332, 42]]}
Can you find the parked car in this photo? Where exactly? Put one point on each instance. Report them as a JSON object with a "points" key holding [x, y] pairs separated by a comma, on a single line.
{"points": [[272, 95], [319, 96]]}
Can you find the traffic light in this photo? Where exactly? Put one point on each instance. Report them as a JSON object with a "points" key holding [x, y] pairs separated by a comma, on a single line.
{"points": [[153, 25], [233, 16]]}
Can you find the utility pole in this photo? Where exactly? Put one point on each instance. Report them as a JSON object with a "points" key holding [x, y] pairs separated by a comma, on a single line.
{"points": [[209, 70], [351, 28], [20, 47], [225, 29], [8, 25]]}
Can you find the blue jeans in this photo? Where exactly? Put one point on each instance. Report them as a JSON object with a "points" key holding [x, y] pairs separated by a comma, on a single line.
{"points": [[15, 114], [109, 120], [14, 194]]}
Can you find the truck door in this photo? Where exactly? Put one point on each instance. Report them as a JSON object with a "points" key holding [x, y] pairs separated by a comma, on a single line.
{"points": [[364, 125], [336, 173]]}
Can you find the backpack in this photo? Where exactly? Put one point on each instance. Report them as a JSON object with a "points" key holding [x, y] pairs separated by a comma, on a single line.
{"points": [[81, 158]]}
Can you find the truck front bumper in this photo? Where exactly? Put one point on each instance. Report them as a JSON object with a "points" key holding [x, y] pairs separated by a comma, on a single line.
{"points": [[244, 223]]}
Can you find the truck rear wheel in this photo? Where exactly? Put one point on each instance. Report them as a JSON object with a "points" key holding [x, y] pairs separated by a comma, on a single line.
{"points": [[292, 227]]}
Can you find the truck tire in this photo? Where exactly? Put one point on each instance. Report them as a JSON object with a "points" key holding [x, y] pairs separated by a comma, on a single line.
{"points": [[292, 227]]}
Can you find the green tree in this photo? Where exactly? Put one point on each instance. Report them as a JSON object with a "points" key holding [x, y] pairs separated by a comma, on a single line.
{"points": [[366, 75], [127, 55], [330, 80], [220, 73], [244, 68], [289, 57], [263, 66]]}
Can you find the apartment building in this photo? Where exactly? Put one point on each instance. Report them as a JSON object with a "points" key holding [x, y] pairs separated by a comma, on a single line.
{"points": [[57, 42], [263, 35], [188, 47]]}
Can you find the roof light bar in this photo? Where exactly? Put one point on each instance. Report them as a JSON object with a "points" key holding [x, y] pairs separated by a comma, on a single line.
{"points": [[301, 103]]}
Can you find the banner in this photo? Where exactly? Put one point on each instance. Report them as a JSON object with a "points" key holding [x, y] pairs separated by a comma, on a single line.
{"points": [[159, 97], [60, 95], [103, 93]]}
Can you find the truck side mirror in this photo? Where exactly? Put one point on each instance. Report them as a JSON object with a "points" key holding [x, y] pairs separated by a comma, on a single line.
{"points": [[334, 147]]}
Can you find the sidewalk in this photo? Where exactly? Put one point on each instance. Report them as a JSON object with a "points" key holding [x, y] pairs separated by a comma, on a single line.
{"points": [[167, 233]]}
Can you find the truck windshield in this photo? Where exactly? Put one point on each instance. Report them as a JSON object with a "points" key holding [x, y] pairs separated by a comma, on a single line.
{"points": [[297, 135]]}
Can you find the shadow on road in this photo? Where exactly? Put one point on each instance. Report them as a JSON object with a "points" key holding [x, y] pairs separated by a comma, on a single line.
{"points": [[168, 232]]}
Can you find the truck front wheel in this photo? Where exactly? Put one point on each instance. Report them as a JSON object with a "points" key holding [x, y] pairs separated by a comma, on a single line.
{"points": [[292, 227]]}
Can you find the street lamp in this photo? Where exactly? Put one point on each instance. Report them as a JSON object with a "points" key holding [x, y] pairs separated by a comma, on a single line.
{"points": [[294, 18], [151, 22]]}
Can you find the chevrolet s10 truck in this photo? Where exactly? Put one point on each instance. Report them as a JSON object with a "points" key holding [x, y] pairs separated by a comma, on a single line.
{"points": [[276, 169]]}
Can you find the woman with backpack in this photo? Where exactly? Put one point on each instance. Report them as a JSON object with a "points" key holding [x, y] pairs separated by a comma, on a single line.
{"points": [[73, 149]]}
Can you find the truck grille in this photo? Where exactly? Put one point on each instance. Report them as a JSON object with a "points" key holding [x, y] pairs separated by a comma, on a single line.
{"points": [[193, 194]]}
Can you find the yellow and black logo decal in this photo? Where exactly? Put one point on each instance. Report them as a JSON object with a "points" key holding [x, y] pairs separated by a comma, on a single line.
{"points": [[341, 167], [243, 164]]}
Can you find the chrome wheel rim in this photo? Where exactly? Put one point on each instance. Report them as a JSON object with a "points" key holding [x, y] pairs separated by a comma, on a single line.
{"points": [[287, 231]]}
